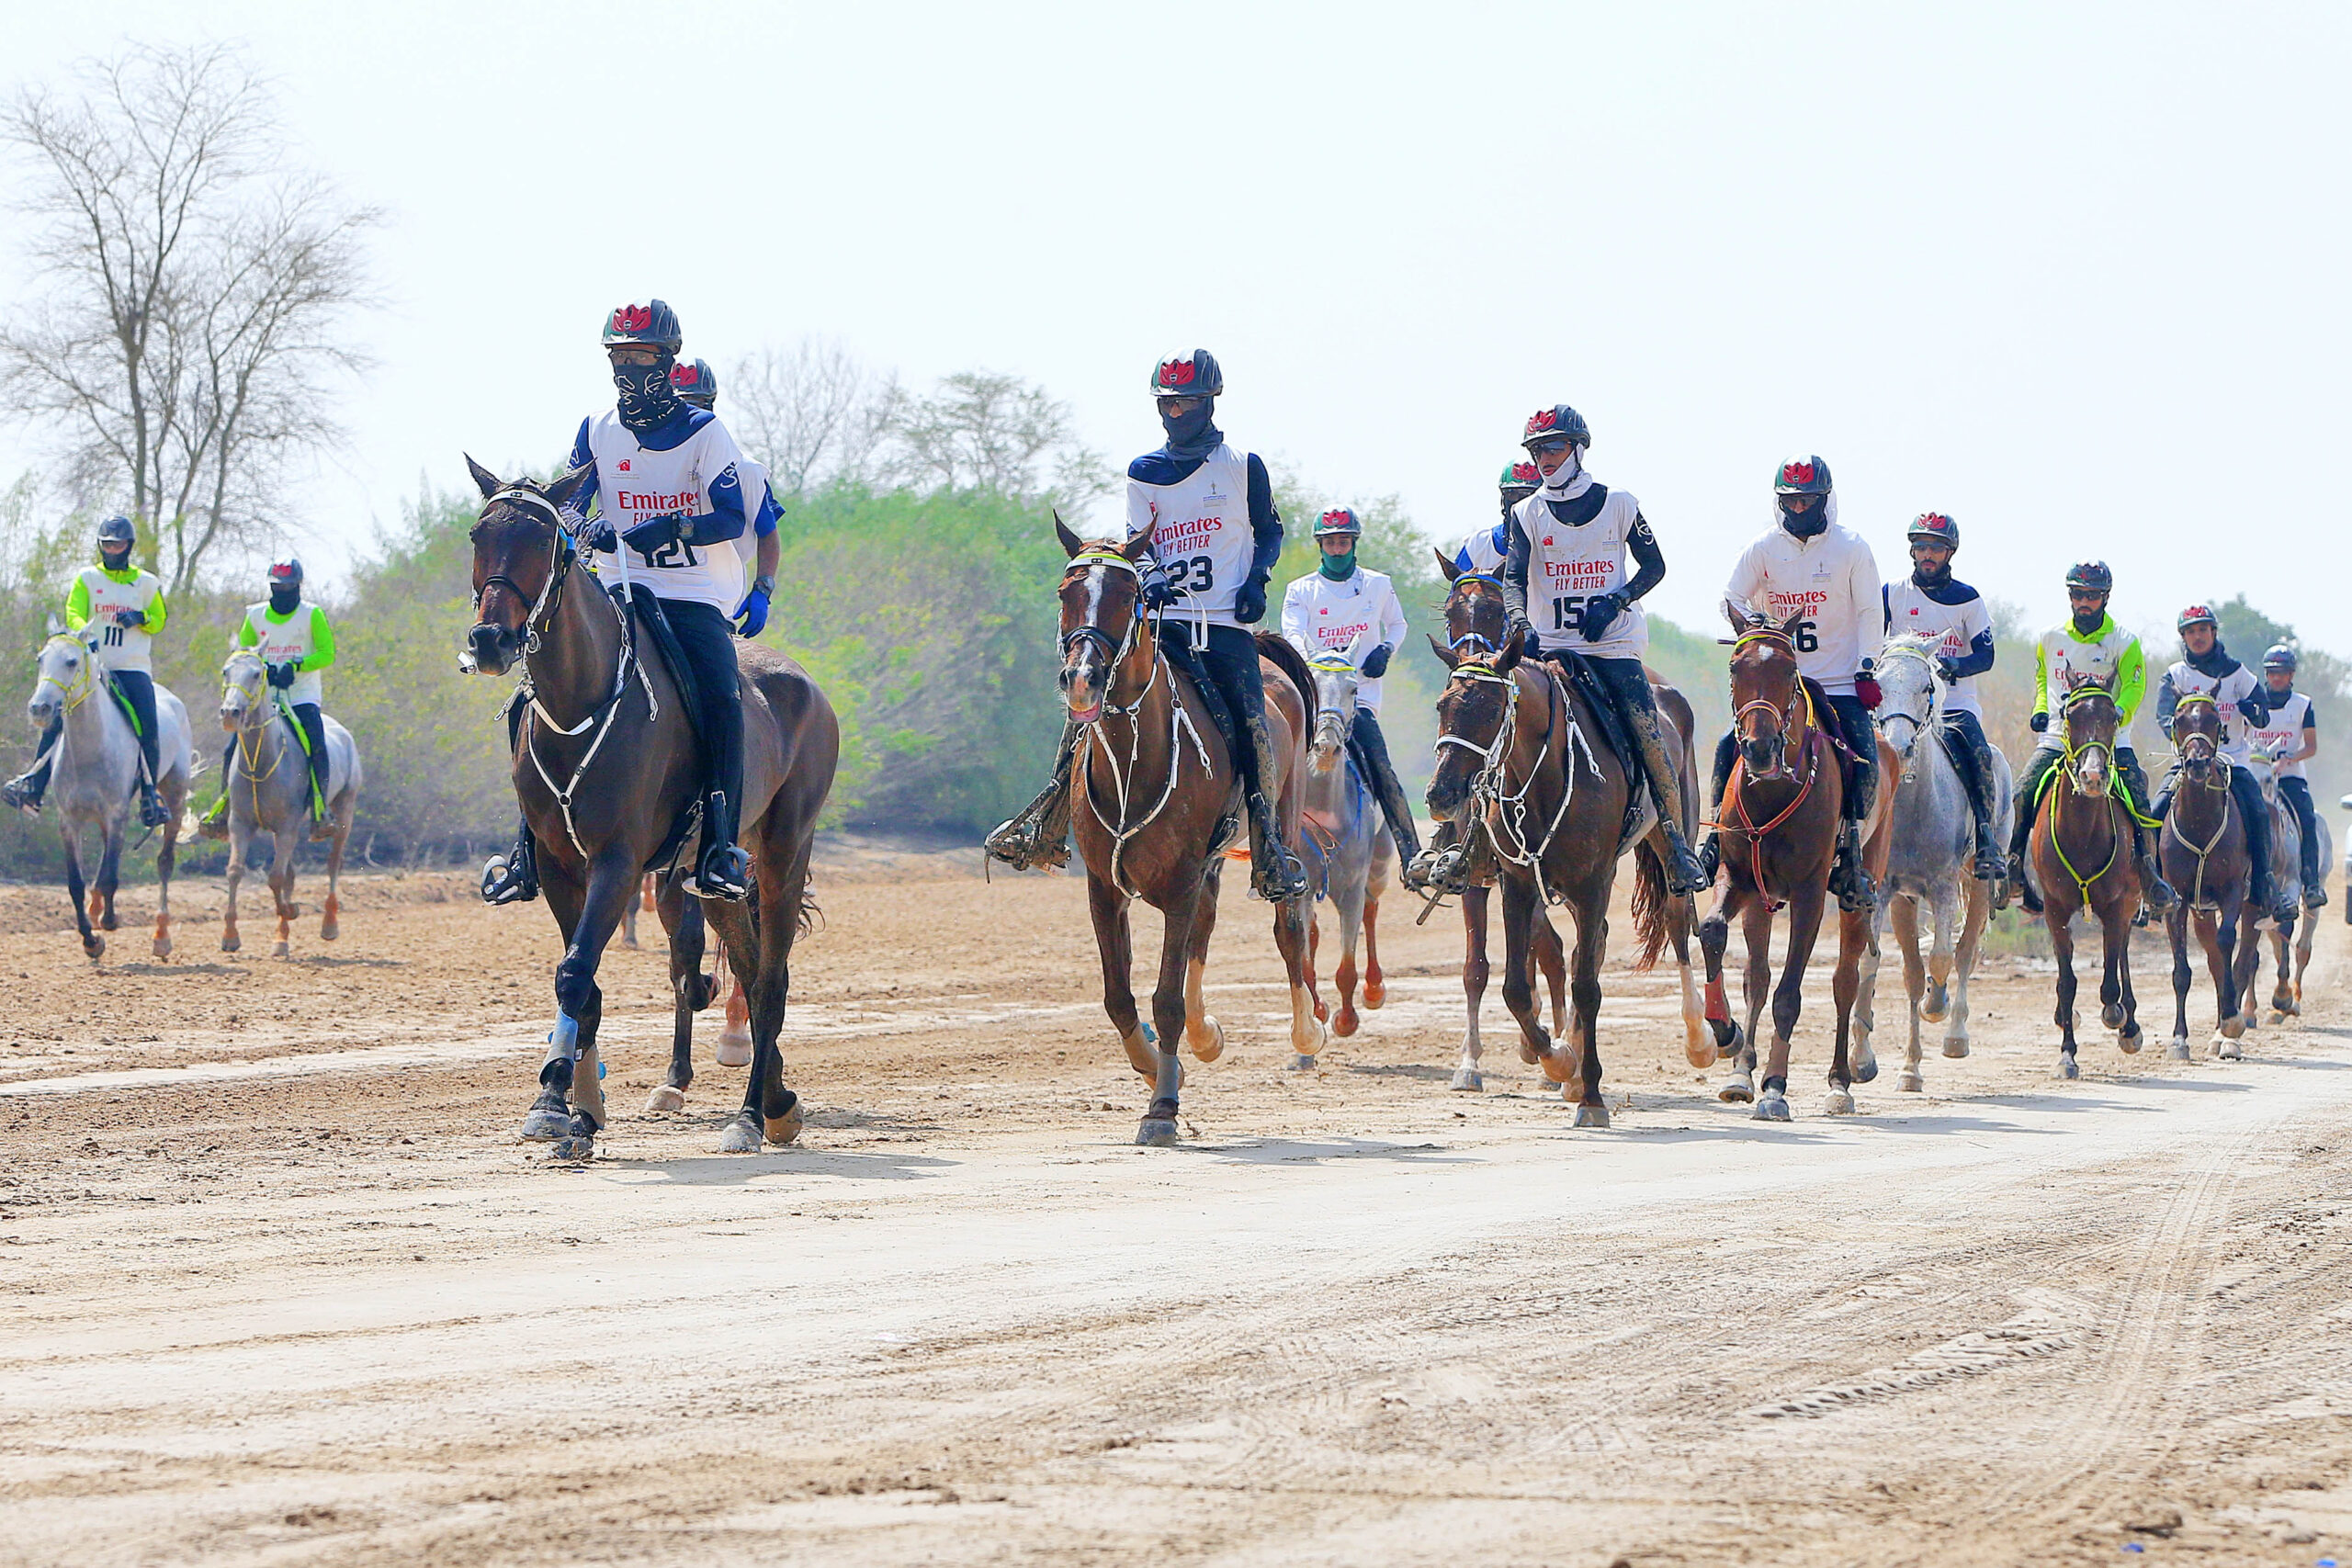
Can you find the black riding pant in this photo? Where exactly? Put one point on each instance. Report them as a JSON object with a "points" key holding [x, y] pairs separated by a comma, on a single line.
{"points": [[2297, 794], [1970, 752], [1853, 724], [2247, 790], [1230, 659], [314, 734], [708, 643]]}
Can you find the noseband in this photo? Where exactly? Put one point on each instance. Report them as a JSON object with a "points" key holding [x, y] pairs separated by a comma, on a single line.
{"points": [[1481, 638], [561, 554]]}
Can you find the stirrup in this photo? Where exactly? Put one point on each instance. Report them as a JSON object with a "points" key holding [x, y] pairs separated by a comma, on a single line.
{"points": [[1710, 858], [2314, 895], [1015, 842], [2154, 891], [19, 793], [513, 878], [725, 873], [1857, 894], [151, 809]]}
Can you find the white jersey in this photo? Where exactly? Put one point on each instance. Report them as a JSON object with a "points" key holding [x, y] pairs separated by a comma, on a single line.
{"points": [[1200, 533], [120, 647], [1485, 550], [2183, 679], [1832, 580], [2282, 737], [635, 482], [1568, 564], [1955, 628], [1322, 616], [289, 641]]}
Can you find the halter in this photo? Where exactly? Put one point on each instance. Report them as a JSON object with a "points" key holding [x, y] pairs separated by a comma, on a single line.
{"points": [[1913, 651], [1490, 801], [2217, 782], [1782, 716]]}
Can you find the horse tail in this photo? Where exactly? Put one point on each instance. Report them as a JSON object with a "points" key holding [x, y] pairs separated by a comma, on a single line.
{"points": [[1293, 663], [1651, 904], [810, 911]]}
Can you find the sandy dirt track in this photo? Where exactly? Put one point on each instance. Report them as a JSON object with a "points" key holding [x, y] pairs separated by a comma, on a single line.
{"points": [[278, 1286]]}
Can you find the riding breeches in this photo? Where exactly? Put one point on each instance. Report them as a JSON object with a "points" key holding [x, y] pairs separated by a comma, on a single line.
{"points": [[1972, 755], [314, 731], [2297, 794], [1230, 659], [138, 689], [1628, 685]]}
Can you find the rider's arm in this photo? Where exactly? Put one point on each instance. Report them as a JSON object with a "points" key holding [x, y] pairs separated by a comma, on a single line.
{"points": [[2168, 699], [1294, 618], [77, 605], [1646, 556], [769, 554], [1265, 522], [1978, 624], [1867, 602], [1515, 565], [322, 652], [726, 519], [583, 456], [246, 636], [2310, 737], [2131, 681], [1747, 584], [2041, 677], [1391, 632]]}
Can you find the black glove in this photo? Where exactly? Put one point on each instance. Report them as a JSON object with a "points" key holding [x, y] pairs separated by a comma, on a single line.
{"points": [[282, 675], [1157, 592], [653, 533], [1516, 628], [1375, 664], [596, 534], [1601, 611], [2038, 723], [2257, 712], [1949, 669], [130, 617], [1250, 605]]}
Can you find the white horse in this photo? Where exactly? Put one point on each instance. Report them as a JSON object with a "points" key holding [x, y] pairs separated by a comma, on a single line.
{"points": [[2290, 945], [1337, 805], [269, 791], [1929, 866], [94, 774]]}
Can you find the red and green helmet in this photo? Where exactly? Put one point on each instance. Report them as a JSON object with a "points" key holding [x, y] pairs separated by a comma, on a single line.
{"points": [[1804, 474], [1338, 521], [651, 323], [1521, 476], [1935, 528]]}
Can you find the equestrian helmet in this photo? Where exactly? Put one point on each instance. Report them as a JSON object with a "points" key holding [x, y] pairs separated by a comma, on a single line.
{"points": [[1804, 474], [1935, 528], [286, 572], [1557, 423], [651, 323], [1188, 373], [695, 383], [1520, 479], [2197, 616], [118, 530], [1338, 521], [2278, 656], [2090, 577]]}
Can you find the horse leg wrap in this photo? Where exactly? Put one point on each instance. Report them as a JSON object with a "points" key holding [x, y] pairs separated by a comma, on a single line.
{"points": [[563, 1050]]}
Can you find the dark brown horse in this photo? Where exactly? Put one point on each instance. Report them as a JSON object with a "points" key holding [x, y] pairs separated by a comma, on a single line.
{"points": [[1157, 793], [1520, 777], [607, 768], [2082, 860], [1780, 812], [2204, 853]]}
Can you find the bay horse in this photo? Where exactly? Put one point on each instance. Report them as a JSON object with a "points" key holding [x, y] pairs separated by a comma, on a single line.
{"points": [[1157, 795], [269, 793], [612, 726], [2204, 851], [1519, 777], [2080, 858], [94, 774], [1780, 813], [1359, 854]]}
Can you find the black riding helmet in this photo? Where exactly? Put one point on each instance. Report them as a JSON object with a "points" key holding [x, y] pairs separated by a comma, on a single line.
{"points": [[1555, 423], [117, 531], [1188, 373]]}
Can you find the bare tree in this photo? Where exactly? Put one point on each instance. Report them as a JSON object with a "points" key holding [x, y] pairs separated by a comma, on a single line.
{"points": [[813, 415], [980, 430], [187, 336]]}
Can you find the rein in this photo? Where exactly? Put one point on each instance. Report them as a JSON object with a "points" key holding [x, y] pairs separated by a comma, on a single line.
{"points": [[1491, 801], [2058, 802], [2216, 782]]}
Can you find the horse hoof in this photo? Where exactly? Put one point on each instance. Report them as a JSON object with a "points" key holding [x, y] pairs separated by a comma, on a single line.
{"points": [[1529, 1054], [1772, 1107], [1302, 1064], [574, 1146], [741, 1137], [1156, 1133], [281, 950], [2066, 1067], [2229, 1051], [547, 1120], [329, 930], [2277, 1017], [93, 946], [1466, 1080], [782, 1129], [1955, 1049], [1592, 1116], [1865, 1064], [1345, 1024], [1375, 992], [2131, 1040], [1699, 1051], [1838, 1102], [1209, 1044], [2233, 1026], [663, 1100], [734, 1050], [1738, 1089], [1909, 1082], [109, 921], [2177, 1049], [1935, 1004], [229, 943]]}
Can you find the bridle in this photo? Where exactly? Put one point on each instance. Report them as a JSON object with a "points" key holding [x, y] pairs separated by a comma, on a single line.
{"points": [[2071, 764], [561, 554], [72, 696], [1491, 800], [1481, 638], [1783, 716], [2214, 780], [252, 718], [1331, 664], [1914, 653]]}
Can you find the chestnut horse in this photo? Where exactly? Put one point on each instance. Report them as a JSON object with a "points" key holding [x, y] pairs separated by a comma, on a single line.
{"points": [[1780, 813], [1158, 794], [2203, 852], [613, 726], [2080, 858]]}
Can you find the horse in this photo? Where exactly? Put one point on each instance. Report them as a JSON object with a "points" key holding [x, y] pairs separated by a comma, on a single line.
{"points": [[612, 726], [1358, 853], [2287, 873], [269, 792], [1513, 745], [1929, 863], [2095, 834], [2204, 851], [1158, 796], [1781, 809], [94, 774], [734, 1048]]}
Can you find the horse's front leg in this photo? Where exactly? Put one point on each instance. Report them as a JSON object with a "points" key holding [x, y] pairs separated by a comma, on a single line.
{"points": [[1592, 914], [2125, 1006], [1548, 955], [1806, 909], [281, 885], [1714, 937], [93, 944], [166, 859], [1203, 1033], [1309, 1034], [1114, 943], [2218, 932], [1348, 903], [240, 841], [1698, 1039], [109, 876], [573, 1067], [1523, 910], [760, 951], [2184, 979], [1375, 984], [1976, 909], [1314, 951], [2058, 922], [331, 915], [1902, 912], [1467, 1077], [1158, 1129], [690, 992]]}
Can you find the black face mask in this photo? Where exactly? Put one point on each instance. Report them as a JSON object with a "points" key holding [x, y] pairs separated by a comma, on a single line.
{"points": [[115, 560], [647, 401], [285, 600], [1806, 525], [2088, 621], [1192, 435]]}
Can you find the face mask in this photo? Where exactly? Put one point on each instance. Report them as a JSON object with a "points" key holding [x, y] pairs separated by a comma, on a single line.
{"points": [[2089, 620], [1339, 569], [1806, 523], [116, 560], [647, 401], [284, 599], [1192, 435]]}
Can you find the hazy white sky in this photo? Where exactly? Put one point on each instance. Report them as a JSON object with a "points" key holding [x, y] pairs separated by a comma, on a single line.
{"points": [[2075, 274]]}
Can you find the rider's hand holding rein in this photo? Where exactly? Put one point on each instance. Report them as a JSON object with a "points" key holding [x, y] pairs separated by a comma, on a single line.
{"points": [[1159, 592]]}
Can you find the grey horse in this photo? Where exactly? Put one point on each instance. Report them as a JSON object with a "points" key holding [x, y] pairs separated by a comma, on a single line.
{"points": [[1358, 853], [2293, 939], [94, 774], [1928, 864], [269, 792]]}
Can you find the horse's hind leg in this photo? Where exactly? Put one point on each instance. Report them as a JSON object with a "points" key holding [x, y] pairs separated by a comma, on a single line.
{"points": [[331, 915], [1975, 908], [240, 845], [1714, 937], [1314, 951], [1201, 1031], [1592, 939], [1522, 913], [165, 858], [1349, 906], [1847, 1059], [1698, 1039], [690, 991], [1307, 1033], [1806, 911], [109, 878], [1375, 984], [281, 889], [572, 1059], [1467, 1075], [1902, 911]]}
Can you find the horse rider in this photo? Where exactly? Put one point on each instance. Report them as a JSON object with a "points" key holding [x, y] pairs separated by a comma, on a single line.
{"points": [[1933, 602], [1484, 551], [2291, 735], [2086, 646], [1328, 613], [1208, 509], [1571, 541], [2207, 669], [296, 641], [127, 605], [1809, 563], [669, 484], [697, 385]]}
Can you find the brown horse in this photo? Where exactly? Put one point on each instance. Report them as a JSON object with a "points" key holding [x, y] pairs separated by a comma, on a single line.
{"points": [[612, 727], [2080, 858], [1156, 797], [1780, 812], [1520, 779], [2203, 852]]}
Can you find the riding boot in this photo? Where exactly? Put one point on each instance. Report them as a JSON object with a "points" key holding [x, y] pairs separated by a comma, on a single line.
{"points": [[1849, 879], [725, 869], [1039, 835], [2154, 891], [1684, 873], [1371, 750], [1710, 858], [25, 791], [513, 878], [1276, 873], [2297, 794], [2264, 893], [1990, 864]]}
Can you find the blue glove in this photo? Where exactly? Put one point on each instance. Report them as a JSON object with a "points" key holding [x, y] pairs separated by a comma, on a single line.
{"points": [[1250, 605], [1950, 670], [1375, 664], [130, 617], [653, 533], [752, 615], [2039, 723], [596, 534], [1600, 613]]}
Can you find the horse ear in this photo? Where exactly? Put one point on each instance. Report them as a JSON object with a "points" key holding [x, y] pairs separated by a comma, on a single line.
{"points": [[1445, 564], [1789, 627], [1446, 655], [564, 488], [1137, 548], [1071, 543], [1509, 659], [1737, 616], [488, 482]]}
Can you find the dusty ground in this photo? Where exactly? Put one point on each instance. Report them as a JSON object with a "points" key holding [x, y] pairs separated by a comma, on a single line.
{"points": [[278, 1285]]}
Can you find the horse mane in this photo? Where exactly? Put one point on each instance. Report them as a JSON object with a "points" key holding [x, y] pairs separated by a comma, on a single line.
{"points": [[1293, 663]]}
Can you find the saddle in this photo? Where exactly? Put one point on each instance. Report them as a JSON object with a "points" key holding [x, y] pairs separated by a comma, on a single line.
{"points": [[1582, 679], [645, 610]]}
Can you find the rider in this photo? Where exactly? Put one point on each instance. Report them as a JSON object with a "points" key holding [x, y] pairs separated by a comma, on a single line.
{"points": [[2088, 645], [1570, 542], [2209, 670], [127, 604], [295, 642], [697, 385], [1326, 614], [2291, 734], [1808, 563], [669, 482], [1209, 511], [1486, 550], [1936, 603]]}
